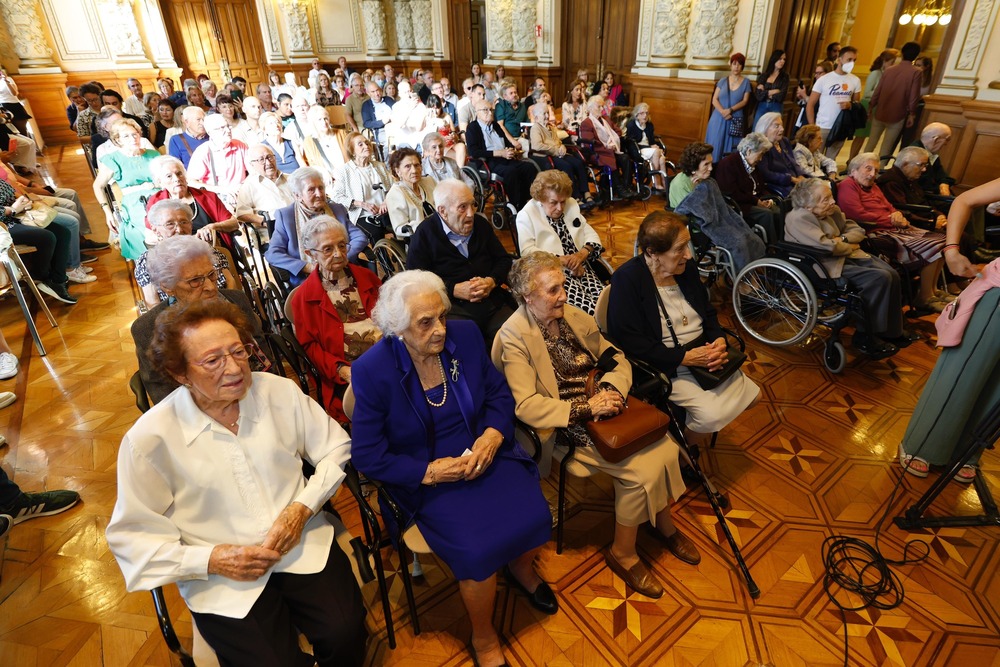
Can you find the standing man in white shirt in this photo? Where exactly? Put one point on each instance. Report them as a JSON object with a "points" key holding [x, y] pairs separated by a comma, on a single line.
{"points": [[833, 93], [134, 104]]}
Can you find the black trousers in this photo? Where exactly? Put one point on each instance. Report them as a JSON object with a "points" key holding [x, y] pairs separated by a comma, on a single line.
{"points": [[517, 176], [576, 169], [326, 607], [48, 263]]}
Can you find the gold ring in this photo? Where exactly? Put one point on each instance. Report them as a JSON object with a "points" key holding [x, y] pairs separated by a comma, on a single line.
{"points": [[479, 467]]}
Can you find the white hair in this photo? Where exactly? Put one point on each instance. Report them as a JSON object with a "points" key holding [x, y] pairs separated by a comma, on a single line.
{"points": [[158, 211], [158, 164], [299, 177], [165, 262], [392, 312], [313, 227], [765, 121], [444, 192]]}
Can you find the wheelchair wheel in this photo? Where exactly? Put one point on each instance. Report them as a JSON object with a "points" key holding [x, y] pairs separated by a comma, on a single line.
{"points": [[478, 191], [645, 192], [775, 302], [835, 356], [501, 218], [390, 258]]}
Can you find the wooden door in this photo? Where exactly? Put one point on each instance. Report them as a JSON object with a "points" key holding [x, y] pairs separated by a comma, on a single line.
{"points": [[203, 32], [600, 35], [463, 51], [800, 34]]}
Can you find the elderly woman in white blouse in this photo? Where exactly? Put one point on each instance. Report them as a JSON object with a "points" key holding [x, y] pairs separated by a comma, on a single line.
{"points": [[211, 496], [411, 196], [552, 222], [363, 182], [324, 147]]}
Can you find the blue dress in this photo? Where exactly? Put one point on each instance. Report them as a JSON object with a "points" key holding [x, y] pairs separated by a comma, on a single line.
{"points": [[717, 133], [475, 527]]}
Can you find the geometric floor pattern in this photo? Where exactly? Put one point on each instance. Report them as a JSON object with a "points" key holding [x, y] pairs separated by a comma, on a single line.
{"points": [[814, 459]]}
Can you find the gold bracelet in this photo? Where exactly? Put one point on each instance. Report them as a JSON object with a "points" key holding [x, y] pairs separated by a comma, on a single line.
{"points": [[430, 469]]}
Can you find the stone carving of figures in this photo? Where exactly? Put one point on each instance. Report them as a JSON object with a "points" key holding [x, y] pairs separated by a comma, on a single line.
{"points": [[374, 20], [123, 33], [711, 34], [404, 27], [499, 19], [423, 33], [25, 30], [670, 28]]}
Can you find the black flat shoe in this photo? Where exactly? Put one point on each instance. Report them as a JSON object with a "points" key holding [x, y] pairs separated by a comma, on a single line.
{"points": [[873, 346], [475, 658], [543, 599], [909, 336]]}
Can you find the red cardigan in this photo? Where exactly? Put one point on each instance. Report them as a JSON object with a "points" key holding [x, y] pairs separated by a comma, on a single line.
{"points": [[605, 155], [321, 333], [206, 199], [864, 205]]}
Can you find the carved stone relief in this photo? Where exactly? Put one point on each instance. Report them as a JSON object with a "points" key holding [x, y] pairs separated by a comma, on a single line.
{"points": [[297, 19], [373, 16], [670, 23], [711, 33], [523, 37], [974, 38], [120, 28], [25, 29], [499, 29], [851, 15], [758, 20], [423, 30], [404, 28]]}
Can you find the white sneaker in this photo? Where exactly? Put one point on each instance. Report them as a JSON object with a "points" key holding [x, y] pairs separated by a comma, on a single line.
{"points": [[78, 275], [86, 269], [8, 366], [6, 398]]}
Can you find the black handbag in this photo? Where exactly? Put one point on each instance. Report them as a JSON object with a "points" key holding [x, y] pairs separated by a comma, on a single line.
{"points": [[736, 126], [706, 378]]}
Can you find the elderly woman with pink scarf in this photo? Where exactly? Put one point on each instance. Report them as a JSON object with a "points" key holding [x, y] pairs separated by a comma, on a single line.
{"points": [[606, 142]]}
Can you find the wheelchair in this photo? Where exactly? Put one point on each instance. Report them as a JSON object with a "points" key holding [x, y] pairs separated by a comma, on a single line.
{"points": [[487, 187], [603, 177], [780, 299]]}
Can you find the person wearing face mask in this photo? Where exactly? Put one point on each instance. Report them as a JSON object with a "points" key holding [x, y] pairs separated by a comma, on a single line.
{"points": [[894, 102], [832, 93]]}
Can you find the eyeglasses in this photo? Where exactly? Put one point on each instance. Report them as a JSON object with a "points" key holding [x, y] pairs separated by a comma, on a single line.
{"points": [[174, 226], [326, 251], [215, 363], [198, 281], [486, 110], [266, 158]]}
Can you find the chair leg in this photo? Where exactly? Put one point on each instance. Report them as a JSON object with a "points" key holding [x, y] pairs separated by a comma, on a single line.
{"points": [[19, 293], [34, 289], [384, 595], [408, 586], [561, 504]]}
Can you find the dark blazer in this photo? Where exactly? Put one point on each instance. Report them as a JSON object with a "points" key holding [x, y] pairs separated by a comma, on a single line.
{"points": [[900, 191], [734, 181], [935, 175], [431, 250], [320, 330], [776, 169], [159, 386], [476, 142], [368, 113], [634, 313], [283, 250], [633, 132], [391, 434]]}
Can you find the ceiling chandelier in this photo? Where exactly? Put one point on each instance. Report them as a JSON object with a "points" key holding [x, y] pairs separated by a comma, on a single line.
{"points": [[926, 12]]}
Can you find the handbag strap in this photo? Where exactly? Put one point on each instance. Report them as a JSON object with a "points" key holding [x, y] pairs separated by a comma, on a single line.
{"points": [[591, 386], [670, 323]]}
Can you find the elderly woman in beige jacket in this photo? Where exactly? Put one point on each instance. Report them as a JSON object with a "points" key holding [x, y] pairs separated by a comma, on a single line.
{"points": [[545, 350], [817, 222]]}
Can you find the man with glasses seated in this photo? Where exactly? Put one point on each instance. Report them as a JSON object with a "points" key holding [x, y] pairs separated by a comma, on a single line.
{"points": [[486, 140], [264, 191], [184, 269]]}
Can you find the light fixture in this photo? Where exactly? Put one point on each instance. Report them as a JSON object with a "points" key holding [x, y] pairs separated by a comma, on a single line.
{"points": [[926, 12]]}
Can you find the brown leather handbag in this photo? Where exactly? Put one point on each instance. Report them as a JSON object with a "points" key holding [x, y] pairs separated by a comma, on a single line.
{"points": [[636, 427]]}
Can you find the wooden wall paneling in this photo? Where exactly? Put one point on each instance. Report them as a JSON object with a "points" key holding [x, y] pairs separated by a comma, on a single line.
{"points": [[477, 30], [678, 108], [799, 33], [971, 155], [600, 35], [243, 45], [189, 27]]}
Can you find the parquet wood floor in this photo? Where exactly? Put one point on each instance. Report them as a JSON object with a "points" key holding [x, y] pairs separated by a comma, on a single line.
{"points": [[813, 459]]}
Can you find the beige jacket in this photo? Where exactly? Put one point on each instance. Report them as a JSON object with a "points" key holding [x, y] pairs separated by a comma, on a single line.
{"points": [[803, 227]]}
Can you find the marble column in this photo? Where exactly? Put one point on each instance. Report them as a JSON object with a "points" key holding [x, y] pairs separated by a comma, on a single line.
{"points": [[373, 16], [499, 29], [269, 31], [423, 29], [663, 30], [525, 44], [710, 36], [961, 70], [24, 25], [156, 35], [122, 32], [404, 29]]}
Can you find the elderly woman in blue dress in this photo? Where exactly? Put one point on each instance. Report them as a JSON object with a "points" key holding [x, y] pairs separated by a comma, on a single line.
{"points": [[434, 421]]}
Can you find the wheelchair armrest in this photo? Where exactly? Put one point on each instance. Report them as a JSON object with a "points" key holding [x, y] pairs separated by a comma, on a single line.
{"points": [[799, 249], [167, 627]]}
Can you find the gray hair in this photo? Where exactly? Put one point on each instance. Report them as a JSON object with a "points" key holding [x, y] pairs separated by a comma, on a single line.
{"points": [[392, 312], [765, 121], [755, 142], [861, 159], [596, 102], [298, 178], [158, 211], [538, 109], [207, 83], [526, 269], [430, 138], [911, 155], [166, 260], [444, 192], [639, 108], [72, 90], [805, 194], [158, 164], [318, 225]]}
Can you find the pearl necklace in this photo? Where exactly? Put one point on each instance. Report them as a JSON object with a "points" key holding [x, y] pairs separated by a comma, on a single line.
{"points": [[444, 383]]}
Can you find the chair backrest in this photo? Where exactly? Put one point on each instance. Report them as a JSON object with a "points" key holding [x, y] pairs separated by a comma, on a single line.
{"points": [[601, 310], [288, 306], [347, 403], [338, 115], [139, 390]]}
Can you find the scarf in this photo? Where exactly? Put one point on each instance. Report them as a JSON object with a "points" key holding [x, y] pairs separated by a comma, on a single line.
{"points": [[302, 215], [607, 136]]}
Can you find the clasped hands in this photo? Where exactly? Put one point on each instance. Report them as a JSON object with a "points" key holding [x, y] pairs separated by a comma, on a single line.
{"points": [[507, 153], [468, 467], [575, 262], [898, 219], [249, 563], [710, 355], [474, 289], [605, 403]]}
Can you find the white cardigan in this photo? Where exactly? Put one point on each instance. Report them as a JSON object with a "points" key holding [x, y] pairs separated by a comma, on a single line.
{"points": [[535, 233], [402, 210]]}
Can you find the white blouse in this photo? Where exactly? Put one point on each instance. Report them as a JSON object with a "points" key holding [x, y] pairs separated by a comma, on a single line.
{"points": [[187, 484]]}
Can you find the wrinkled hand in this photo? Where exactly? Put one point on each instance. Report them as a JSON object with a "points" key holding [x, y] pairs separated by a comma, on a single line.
{"points": [[484, 449], [479, 288], [112, 223], [241, 563], [447, 469], [575, 262], [379, 209], [205, 233], [605, 403], [345, 374], [287, 528], [959, 264], [994, 208], [710, 355], [898, 219], [507, 153], [940, 222]]}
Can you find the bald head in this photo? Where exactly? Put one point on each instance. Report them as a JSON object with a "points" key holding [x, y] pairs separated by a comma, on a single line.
{"points": [[935, 137]]}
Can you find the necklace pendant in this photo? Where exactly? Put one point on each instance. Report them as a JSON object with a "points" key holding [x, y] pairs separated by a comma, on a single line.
{"points": [[684, 320]]}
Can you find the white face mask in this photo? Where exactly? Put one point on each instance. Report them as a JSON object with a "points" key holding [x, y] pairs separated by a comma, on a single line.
{"points": [[847, 67]]}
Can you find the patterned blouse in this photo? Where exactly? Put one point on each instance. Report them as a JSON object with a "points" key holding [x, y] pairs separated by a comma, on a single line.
{"points": [[360, 332], [581, 291]]}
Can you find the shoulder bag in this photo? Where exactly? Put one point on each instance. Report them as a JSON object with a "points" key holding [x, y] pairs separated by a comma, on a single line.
{"points": [[736, 128], [633, 429], [705, 378], [39, 215]]}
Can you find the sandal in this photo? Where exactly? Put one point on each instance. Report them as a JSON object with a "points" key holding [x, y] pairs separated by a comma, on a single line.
{"points": [[966, 475], [914, 465]]}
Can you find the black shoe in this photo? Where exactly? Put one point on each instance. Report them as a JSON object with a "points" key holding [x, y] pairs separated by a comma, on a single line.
{"points": [[543, 599], [873, 346], [908, 336], [57, 291], [984, 256], [5, 523], [33, 505], [88, 244], [87, 259]]}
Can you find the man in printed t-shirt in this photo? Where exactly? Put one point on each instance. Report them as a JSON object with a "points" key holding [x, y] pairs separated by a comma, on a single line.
{"points": [[832, 93]]}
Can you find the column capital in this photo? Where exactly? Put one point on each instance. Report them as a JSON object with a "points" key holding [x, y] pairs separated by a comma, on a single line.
{"points": [[30, 45]]}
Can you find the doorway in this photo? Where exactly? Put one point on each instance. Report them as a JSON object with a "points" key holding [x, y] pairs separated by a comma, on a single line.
{"points": [[217, 37], [600, 36]]}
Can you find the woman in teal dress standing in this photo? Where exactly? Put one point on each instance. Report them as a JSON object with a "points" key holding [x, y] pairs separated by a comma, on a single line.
{"points": [[129, 168], [726, 125]]}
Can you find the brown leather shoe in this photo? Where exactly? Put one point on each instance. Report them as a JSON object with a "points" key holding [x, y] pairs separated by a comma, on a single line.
{"points": [[638, 577], [681, 546]]}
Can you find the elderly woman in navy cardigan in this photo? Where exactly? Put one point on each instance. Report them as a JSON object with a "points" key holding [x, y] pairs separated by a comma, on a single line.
{"points": [[434, 422], [657, 300]]}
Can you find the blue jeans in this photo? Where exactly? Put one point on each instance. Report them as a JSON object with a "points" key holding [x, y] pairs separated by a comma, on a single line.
{"points": [[69, 220]]}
